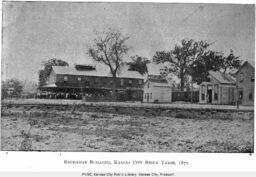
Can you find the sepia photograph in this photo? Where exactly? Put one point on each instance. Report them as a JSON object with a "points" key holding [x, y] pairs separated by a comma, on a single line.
{"points": [[127, 77]]}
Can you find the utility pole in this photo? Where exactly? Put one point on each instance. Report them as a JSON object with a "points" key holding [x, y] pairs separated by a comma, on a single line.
{"points": [[237, 94], [191, 91]]}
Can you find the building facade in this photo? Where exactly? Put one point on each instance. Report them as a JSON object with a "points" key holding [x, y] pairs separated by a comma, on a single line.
{"points": [[220, 88], [157, 90], [245, 84], [94, 84]]}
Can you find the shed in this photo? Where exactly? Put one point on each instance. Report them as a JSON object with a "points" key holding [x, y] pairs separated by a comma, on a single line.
{"points": [[157, 90], [219, 89]]}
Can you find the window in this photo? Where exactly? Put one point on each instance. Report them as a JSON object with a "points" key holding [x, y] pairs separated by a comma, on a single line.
{"points": [[65, 78], [203, 89], [148, 84], [216, 88], [151, 95], [122, 82], [202, 96], [252, 77], [215, 96], [103, 83], [130, 81], [79, 79], [241, 77], [145, 95], [203, 92], [87, 84], [96, 81], [250, 96], [140, 82], [240, 95]]}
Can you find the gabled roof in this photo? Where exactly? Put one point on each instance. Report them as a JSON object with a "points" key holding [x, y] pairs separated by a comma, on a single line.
{"points": [[223, 78], [65, 70], [245, 63], [157, 82]]}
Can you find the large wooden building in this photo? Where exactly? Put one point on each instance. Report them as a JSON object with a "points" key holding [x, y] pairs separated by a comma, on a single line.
{"points": [[94, 84], [245, 84], [219, 89]]}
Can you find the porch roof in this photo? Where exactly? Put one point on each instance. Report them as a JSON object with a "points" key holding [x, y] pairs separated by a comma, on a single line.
{"points": [[49, 86], [206, 83]]}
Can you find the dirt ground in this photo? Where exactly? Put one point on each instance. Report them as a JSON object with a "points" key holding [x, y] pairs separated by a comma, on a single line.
{"points": [[105, 132]]}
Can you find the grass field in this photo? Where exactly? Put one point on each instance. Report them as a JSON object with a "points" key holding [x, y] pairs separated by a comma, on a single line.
{"points": [[105, 132]]}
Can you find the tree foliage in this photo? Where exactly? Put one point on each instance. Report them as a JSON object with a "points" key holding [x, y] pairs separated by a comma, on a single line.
{"points": [[181, 58], [230, 62], [138, 64], [110, 48], [214, 61], [195, 59], [11, 88], [47, 67], [199, 69]]}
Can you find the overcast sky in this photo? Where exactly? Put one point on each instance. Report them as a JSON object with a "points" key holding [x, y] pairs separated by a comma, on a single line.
{"points": [[36, 31]]}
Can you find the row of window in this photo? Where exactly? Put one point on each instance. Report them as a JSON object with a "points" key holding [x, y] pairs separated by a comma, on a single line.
{"points": [[122, 80], [148, 95], [250, 95], [246, 75]]}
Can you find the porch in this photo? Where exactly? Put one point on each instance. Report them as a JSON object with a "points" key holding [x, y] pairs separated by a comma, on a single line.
{"points": [[209, 93]]}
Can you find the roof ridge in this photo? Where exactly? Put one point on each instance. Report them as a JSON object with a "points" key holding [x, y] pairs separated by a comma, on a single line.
{"points": [[69, 70]]}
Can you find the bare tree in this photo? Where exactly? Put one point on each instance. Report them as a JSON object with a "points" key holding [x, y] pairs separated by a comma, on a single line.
{"points": [[110, 48]]}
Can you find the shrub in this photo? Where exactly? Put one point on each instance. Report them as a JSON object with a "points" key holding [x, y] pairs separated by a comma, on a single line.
{"points": [[156, 101], [181, 116]]}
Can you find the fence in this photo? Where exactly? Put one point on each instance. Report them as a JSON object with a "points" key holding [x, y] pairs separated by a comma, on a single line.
{"points": [[185, 96], [120, 96]]}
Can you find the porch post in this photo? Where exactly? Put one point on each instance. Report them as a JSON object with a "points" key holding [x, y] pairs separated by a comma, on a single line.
{"points": [[213, 92], [237, 96]]}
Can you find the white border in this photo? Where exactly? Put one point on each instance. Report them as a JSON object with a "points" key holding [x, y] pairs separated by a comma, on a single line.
{"points": [[203, 162]]}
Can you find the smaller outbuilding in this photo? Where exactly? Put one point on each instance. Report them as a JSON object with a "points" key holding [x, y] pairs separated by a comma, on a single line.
{"points": [[157, 90], [220, 88]]}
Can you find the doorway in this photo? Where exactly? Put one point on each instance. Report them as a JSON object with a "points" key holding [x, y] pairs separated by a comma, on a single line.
{"points": [[209, 96], [129, 95]]}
